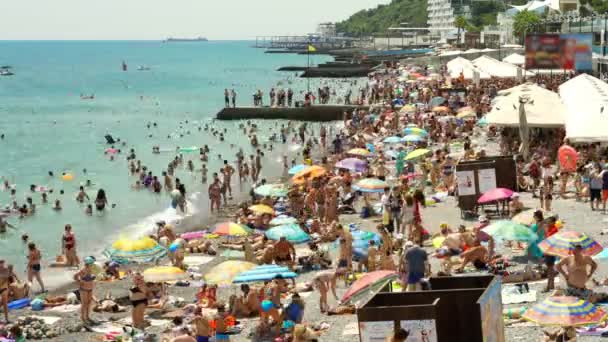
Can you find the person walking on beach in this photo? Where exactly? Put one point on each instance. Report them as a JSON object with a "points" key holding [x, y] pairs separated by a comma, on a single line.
{"points": [[138, 295], [33, 265], [68, 243], [228, 171], [226, 98], [86, 282], [215, 193]]}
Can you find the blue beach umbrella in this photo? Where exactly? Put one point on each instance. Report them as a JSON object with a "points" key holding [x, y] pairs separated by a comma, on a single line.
{"points": [[292, 232], [392, 140], [412, 138], [297, 169]]}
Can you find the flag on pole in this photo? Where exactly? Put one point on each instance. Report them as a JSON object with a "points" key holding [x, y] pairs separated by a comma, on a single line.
{"points": [[311, 48]]}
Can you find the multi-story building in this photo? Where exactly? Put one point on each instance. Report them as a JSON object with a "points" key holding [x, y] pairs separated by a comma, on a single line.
{"points": [[442, 13]]}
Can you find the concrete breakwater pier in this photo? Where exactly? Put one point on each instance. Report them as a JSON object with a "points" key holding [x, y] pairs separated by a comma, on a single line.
{"points": [[312, 113]]}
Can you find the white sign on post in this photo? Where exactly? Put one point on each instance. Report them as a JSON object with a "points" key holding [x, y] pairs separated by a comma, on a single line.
{"points": [[466, 183], [487, 180]]}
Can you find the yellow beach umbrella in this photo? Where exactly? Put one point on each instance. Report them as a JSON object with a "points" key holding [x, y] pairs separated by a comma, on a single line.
{"points": [[138, 250], [261, 209], [359, 152], [417, 154], [224, 273], [164, 273], [310, 172]]}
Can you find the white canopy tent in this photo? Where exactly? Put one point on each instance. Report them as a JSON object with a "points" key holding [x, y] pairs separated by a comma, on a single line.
{"points": [[496, 68], [543, 110], [515, 59], [461, 65], [586, 101]]}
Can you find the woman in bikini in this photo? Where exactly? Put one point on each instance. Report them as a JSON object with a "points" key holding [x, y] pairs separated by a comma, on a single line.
{"points": [[33, 265], [86, 281], [101, 200], [4, 282], [69, 246], [139, 299]]}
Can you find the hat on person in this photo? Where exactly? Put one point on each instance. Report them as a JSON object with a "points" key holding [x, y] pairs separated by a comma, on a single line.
{"points": [[409, 243], [482, 219], [89, 260]]}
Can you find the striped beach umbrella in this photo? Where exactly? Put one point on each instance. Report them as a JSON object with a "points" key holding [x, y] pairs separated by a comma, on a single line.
{"points": [[415, 131], [272, 190], [565, 311], [161, 274], [232, 229], [421, 152], [371, 185], [359, 152], [135, 251], [224, 273], [563, 243]]}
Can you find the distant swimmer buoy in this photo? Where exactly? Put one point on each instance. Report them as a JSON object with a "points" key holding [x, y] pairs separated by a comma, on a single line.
{"points": [[67, 177]]}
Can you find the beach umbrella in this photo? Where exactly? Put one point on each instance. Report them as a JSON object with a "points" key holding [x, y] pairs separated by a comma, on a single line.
{"points": [[437, 101], [421, 152], [141, 250], [194, 235], [565, 311], [261, 209], [496, 194], [510, 231], [264, 273], [562, 244], [526, 217], [161, 274], [352, 164], [189, 149], [371, 185], [415, 131], [224, 273], [441, 109], [392, 140], [367, 286], [314, 171], [296, 169], [272, 190], [292, 232], [361, 239], [359, 152], [232, 229], [281, 220], [412, 138]]}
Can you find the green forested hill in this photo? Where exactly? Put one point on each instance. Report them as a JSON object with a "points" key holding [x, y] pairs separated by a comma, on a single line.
{"points": [[377, 20]]}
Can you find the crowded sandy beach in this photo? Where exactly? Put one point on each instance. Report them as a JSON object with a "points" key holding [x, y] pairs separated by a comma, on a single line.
{"points": [[395, 198]]}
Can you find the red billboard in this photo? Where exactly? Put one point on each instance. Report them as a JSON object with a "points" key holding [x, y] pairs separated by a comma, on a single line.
{"points": [[569, 51]]}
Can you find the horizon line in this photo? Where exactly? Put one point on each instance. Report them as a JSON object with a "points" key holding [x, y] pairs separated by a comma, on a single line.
{"points": [[116, 40]]}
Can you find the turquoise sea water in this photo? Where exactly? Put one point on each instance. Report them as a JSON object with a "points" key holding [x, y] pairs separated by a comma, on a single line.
{"points": [[49, 128]]}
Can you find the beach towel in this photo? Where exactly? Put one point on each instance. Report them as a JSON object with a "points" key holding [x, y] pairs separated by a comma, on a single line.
{"points": [[107, 327], [197, 260], [511, 295], [65, 308], [153, 322]]}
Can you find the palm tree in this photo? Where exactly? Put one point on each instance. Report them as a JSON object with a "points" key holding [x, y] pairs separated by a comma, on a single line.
{"points": [[461, 23]]}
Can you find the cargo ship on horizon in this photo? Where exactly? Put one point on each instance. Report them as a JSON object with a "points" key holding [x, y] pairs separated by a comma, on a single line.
{"points": [[180, 40]]}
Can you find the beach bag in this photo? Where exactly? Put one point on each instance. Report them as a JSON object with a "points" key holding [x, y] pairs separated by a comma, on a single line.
{"points": [[365, 212]]}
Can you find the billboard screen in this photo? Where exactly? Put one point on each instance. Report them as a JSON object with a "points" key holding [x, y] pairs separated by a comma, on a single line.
{"points": [[569, 51]]}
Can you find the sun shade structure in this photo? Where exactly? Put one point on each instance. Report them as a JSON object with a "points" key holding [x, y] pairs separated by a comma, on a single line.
{"points": [[565, 311], [126, 251], [563, 243], [226, 272], [367, 286], [292, 232], [586, 108], [460, 65], [161, 274], [510, 231]]}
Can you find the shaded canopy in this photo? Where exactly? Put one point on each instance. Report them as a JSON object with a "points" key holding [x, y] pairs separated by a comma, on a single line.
{"points": [[515, 59], [496, 68], [586, 101], [544, 108], [461, 65]]}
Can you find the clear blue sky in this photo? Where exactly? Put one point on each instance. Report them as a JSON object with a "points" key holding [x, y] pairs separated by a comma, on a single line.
{"points": [[157, 19]]}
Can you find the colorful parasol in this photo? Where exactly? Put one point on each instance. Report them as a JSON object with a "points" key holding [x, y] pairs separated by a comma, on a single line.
{"points": [[292, 232], [497, 194], [421, 152], [272, 190], [527, 216], [510, 231], [359, 152], [441, 109], [352, 164], [264, 273], [261, 209], [143, 250], [161, 274], [310, 172], [281, 220], [415, 131], [412, 138], [194, 235], [232, 229], [392, 140], [367, 286], [562, 244], [566, 312], [224, 273], [371, 185], [296, 169]]}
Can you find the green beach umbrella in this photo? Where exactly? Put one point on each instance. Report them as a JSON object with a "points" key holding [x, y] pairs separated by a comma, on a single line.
{"points": [[509, 230], [421, 152], [272, 190]]}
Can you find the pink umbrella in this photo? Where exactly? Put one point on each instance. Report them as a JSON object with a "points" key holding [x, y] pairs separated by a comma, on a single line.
{"points": [[193, 235], [367, 286], [353, 164], [111, 150], [494, 195]]}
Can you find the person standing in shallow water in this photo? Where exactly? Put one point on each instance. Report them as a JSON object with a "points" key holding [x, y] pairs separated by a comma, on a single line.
{"points": [[101, 201], [226, 98], [33, 265]]}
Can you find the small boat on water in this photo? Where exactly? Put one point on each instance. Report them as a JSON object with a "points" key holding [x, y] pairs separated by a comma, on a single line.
{"points": [[184, 40], [143, 68], [87, 97], [5, 72]]}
